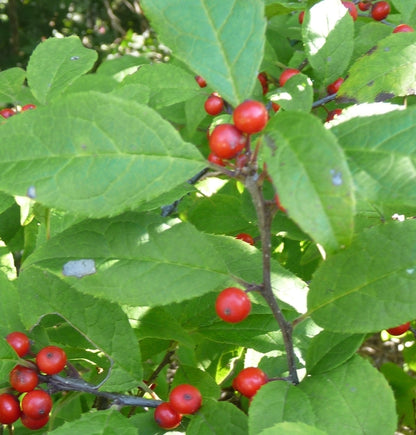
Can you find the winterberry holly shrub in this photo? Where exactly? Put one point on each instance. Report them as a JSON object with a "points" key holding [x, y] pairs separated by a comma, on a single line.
{"points": [[121, 196]]}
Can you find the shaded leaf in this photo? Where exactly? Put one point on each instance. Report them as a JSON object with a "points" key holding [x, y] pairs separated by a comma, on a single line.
{"points": [[11, 82]]}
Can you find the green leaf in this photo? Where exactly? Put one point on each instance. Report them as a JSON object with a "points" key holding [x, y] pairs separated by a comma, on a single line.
{"points": [[11, 82], [104, 155], [50, 295], [55, 64], [8, 357], [121, 67], [328, 32], [108, 422], [329, 350], [9, 307], [277, 402], [369, 286], [292, 429], [340, 400], [198, 378], [311, 176], [367, 82], [296, 94], [219, 418], [382, 163], [135, 259], [211, 39]]}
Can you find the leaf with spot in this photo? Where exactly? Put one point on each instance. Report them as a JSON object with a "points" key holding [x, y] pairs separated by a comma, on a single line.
{"points": [[221, 40]]}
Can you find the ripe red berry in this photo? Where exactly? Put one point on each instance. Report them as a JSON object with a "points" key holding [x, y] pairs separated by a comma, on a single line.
{"points": [[214, 105], [249, 381], [36, 404], [23, 379], [51, 360], [185, 399], [380, 10], [364, 6], [201, 82], [19, 342], [301, 16], [403, 28], [287, 74], [262, 77], [28, 107], [166, 416], [9, 408], [399, 330], [245, 238], [34, 423], [250, 116], [233, 305], [7, 113], [332, 114], [242, 160], [226, 141], [275, 107], [333, 87], [213, 158], [352, 9]]}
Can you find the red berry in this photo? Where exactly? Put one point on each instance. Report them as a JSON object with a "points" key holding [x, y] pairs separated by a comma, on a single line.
{"points": [[380, 10], [241, 160], [250, 116], [51, 360], [23, 379], [403, 28], [287, 74], [185, 399], [262, 77], [214, 105], [7, 113], [28, 107], [213, 158], [399, 330], [334, 86], [9, 408], [226, 141], [279, 206], [352, 9], [275, 107], [34, 423], [201, 82], [19, 342], [36, 404], [166, 416], [245, 238], [233, 305], [301, 17], [249, 381], [332, 114], [364, 6]]}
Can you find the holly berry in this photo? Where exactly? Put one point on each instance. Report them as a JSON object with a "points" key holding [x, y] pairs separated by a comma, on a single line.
{"points": [[213, 158], [333, 87], [301, 16], [403, 28], [380, 10], [332, 114], [364, 6], [249, 381], [250, 116], [166, 416], [34, 423], [7, 113], [399, 330], [28, 107], [226, 141], [19, 342], [287, 74], [275, 107], [23, 379], [9, 408], [51, 360], [36, 404], [233, 305], [214, 105], [201, 82], [352, 9], [245, 238], [241, 160], [185, 399], [264, 82]]}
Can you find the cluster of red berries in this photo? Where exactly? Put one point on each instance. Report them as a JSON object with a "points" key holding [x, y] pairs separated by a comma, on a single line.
{"points": [[183, 399], [23, 400], [9, 112]]}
